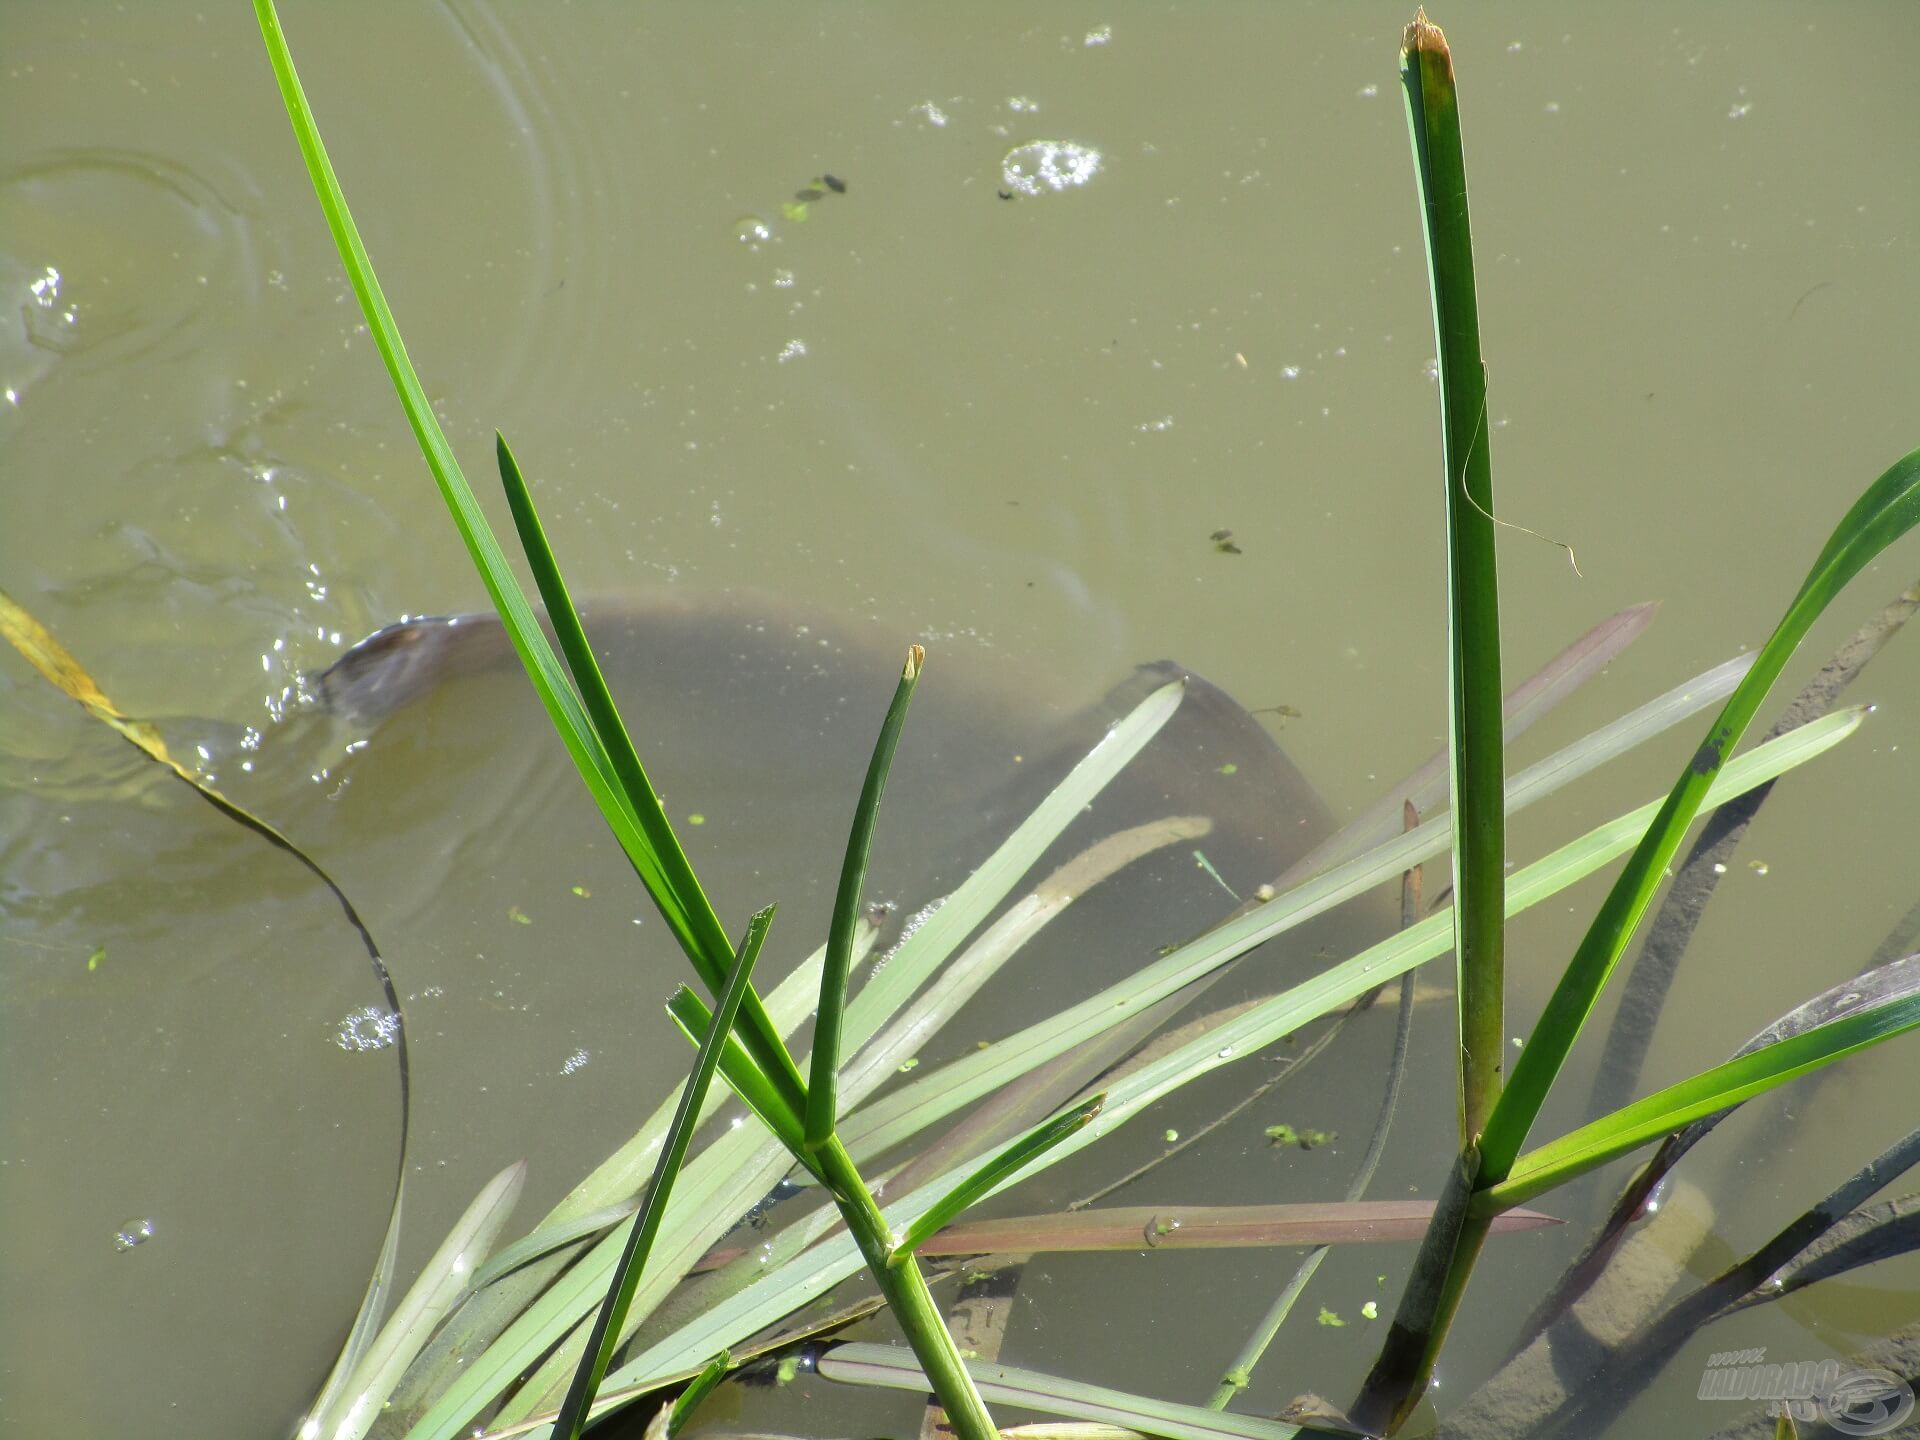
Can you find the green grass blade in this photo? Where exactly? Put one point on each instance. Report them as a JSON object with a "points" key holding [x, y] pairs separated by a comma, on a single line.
{"points": [[892, 1368], [740, 1071], [1473, 629], [1887, 510], [569, 718], [723, 1182], [711, 955], [701, 1386], [962, 911], [613, 1313], [823, 1093], [681, 903], [1708, 1093], [982, 1182]]}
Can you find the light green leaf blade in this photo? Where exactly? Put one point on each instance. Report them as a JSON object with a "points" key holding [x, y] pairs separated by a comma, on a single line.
{"points": [[894, 1369]]}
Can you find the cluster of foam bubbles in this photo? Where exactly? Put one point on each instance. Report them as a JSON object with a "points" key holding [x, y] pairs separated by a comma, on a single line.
{"points": [[1042, 167], [368, 1028]]}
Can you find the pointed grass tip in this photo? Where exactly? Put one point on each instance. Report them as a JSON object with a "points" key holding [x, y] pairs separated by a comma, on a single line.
{"points": [[1423, 36]]}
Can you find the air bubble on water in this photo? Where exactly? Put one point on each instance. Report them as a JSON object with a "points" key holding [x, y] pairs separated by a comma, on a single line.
{"points": [[1021, 104], [783, 279], [792, 350], [576, 1062], [1156, 427], [50, 324], [1042, 167], [132, 1233], [1289, 372], [752, 231], [930, 112], [368, 1028], [1367, 92], [1099, 35]]}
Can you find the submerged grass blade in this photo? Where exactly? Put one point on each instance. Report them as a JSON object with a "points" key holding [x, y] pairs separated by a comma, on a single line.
{"points": [[891, 1368], [540, 1243], [1129, 1229], [1426, 788], [823, 1093], [1887, 510], [613, 1313]]}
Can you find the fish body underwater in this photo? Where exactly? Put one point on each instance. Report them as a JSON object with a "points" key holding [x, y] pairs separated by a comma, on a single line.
{"points": [[459, 817], [532, 968]]}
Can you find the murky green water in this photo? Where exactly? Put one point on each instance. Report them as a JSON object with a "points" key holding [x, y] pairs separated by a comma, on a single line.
{"points": [[1008, 426]]}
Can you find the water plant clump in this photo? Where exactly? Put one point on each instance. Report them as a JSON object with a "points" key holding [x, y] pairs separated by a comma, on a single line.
{"points": [[630, 1290]]}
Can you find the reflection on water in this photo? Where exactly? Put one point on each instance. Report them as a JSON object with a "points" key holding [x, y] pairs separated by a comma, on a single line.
{"points": [[1017, 428]]}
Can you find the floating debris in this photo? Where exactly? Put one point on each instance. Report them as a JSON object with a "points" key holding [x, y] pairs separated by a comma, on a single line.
{"points": [[1223, 542], [1306, 1139]]}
